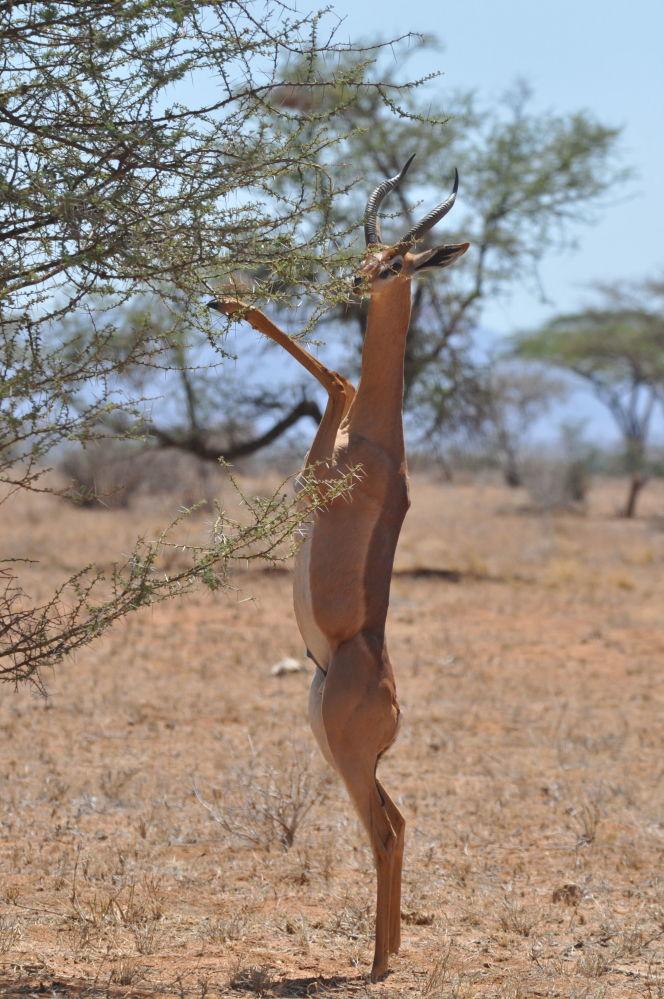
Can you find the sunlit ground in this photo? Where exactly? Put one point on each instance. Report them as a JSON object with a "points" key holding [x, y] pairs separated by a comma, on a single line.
{"points": [[530, 768]]}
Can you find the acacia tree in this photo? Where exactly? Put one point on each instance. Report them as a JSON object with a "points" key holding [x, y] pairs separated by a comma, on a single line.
{"points": [[140, 150], [617, 348]]}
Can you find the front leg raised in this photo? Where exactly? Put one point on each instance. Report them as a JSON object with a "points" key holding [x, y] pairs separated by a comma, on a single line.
{"points": [[340, 392]]}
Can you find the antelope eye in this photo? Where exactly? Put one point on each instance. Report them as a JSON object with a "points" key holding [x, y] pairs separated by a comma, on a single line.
{"points": [[395, 267]]}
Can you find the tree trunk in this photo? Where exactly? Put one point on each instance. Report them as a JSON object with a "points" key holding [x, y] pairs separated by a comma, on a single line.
{"points": [[445, 467], [636, 484], [196, 443], [511, 475], [511, 471]]}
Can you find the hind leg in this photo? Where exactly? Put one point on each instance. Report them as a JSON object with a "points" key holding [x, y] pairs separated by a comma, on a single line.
{"points": [[399, 825], [360, 717], [395, 817], [363, 792]]}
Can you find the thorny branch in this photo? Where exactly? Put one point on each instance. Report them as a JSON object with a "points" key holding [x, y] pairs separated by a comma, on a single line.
{"points": [[33, 638]]}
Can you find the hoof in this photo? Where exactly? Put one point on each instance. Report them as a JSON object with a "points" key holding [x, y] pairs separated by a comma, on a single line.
{"points": [[378, 971]]}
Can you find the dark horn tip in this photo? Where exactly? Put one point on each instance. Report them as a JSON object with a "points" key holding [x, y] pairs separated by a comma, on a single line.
{"points": [[406, 165], [456, 181]]}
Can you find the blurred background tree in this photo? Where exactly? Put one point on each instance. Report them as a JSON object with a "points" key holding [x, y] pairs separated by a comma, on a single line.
{"points": [[516, 396], [529, 180], [617, 348]]}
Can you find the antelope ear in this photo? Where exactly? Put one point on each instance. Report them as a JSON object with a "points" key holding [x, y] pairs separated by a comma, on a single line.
{"points": [[441, 256]]}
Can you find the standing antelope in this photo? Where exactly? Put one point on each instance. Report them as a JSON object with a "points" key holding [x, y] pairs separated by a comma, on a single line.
{"points": [[343, 568]]}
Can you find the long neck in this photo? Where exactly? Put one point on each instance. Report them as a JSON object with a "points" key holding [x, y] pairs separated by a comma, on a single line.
{"points": [[377, 412]]}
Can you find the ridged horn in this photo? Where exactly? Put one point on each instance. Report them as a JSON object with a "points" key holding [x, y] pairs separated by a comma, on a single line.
{"points": [[371, 225], [434, 216]]}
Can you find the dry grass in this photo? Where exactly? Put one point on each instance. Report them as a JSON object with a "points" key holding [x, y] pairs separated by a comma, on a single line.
{"points": [[264, 804], [530, 769]]}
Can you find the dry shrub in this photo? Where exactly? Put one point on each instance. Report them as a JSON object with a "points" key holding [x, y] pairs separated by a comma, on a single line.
{"points": [[442, 982], [556, 484], [126, 971], [655, 979], [561, 480], [515, 918], [110, 474], [256, 979], [10, 934], [221, 931], [145, 930], [263, 805], [354, 919], [136, 908], [594, 962], [101, 474], [567, 894], [113, 783], [586, 819]]}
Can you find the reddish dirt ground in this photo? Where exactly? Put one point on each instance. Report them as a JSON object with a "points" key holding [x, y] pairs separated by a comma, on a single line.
{"points": [[530, 768]]}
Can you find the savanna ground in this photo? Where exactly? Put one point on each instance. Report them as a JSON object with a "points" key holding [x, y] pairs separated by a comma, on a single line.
{"points": [[530, 768]]}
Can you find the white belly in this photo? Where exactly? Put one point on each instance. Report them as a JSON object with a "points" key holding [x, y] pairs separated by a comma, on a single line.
{"points": [[312, 636], [316, 715]]}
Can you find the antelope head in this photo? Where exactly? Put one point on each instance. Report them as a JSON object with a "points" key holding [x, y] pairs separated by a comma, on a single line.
{"points": [[384, 264]]}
